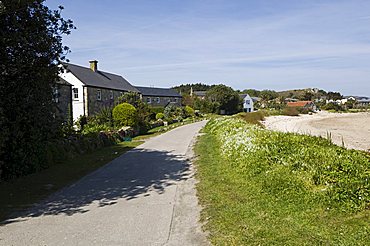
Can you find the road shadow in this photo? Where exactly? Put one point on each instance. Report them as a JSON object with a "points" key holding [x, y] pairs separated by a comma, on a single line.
{"points": [[128, 177]]}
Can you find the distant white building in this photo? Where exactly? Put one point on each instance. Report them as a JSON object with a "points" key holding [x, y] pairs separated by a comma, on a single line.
{"points": [[247, 103]]}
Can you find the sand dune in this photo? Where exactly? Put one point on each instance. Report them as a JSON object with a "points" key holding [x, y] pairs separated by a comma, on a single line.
{"points": [[350, 129]]}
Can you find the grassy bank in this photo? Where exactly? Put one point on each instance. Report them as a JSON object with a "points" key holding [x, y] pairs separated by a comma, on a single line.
{"points": [[266, 188], [23, 192]]}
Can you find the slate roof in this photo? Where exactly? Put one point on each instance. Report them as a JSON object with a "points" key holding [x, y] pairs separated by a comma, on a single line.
{"points": [[159, 92], [100, 78]]}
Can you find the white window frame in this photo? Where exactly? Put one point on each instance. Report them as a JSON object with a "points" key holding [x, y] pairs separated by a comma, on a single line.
{"points": [[98, 95], [149, 100], [158, 99], [75, 93], [111, 95]]}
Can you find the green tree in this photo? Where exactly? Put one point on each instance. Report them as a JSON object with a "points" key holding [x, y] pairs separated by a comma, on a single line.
{"points": [[125, 114], [225, 98], [251, 92], [30, 57], [307, 96], [267, 95], [334, 95]]}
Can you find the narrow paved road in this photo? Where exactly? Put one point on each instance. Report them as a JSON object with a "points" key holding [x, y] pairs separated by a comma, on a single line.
{"points": [[144, 197]]}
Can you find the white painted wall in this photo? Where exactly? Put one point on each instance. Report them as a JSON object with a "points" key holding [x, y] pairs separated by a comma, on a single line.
{"points": [[248, 104], [77, 104]]}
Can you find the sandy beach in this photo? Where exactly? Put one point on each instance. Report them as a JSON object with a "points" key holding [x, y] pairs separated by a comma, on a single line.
{"points": [[352, 129]]}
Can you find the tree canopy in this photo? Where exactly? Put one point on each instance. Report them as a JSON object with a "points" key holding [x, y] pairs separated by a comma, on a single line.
{"points": [[30, 55], [226, 98]]}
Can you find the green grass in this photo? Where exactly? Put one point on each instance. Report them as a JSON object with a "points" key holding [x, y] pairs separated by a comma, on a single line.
{"points": [[25, 191], [288, 190]]}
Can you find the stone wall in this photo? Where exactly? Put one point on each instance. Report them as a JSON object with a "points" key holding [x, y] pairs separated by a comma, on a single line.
{"points": [[163, 101], [94, 104], [63, 101]]}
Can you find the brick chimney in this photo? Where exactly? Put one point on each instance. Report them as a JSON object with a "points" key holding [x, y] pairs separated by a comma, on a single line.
{"points": [[94, 65]]}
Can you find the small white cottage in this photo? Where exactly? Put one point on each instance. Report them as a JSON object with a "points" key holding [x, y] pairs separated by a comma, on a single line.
{"points": [[247, 103]]}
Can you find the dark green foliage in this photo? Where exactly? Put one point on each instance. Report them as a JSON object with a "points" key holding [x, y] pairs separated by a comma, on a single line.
{"points": [[156, 110], [226, 98], [125, 114], [104, 117], [332, 106], [31, 50], [334, 96], [307, 96], [185, 89], [252, 92], [206, 106], [268, 95]]}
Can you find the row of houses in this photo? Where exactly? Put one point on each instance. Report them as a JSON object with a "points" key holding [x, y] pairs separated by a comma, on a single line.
{"points": [[85, 91], [356, 100]]}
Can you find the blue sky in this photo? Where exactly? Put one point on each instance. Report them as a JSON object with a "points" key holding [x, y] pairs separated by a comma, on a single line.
{"points": [[244, 44]]}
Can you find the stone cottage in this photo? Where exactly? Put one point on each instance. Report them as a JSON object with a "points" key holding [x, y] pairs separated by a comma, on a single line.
{"points": [[159, 97], [92, 89]]}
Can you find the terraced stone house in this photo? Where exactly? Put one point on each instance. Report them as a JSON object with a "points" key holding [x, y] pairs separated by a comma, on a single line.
{"points": [[159, 97], [92, 89]]}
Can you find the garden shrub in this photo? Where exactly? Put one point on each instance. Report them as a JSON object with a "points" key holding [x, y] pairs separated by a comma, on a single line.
{"points": [[170, 111], [125, 114], [157, 110], [290, 111], [189, 111], [159, 116], [333, 106]]}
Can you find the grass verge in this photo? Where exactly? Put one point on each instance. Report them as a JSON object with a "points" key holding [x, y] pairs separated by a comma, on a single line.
{"points": [[266, 188], [25, 191]]}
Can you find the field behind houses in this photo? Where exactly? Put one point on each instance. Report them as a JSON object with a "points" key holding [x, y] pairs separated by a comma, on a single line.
{"points": [[260, 187]]}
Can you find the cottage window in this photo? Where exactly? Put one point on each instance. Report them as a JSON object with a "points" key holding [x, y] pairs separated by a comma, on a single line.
{"points": [[98, 95], [176, 99], [158, 100], [111, 95], [247, 101], [149, 100], [75, 93]]}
